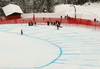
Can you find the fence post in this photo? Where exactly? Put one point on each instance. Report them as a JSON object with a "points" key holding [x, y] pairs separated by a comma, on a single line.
{"points": [[33, 17]]}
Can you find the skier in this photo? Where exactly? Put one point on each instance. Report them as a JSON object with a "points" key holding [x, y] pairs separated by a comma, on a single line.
{"points": [[57, 26], [21, 31]]}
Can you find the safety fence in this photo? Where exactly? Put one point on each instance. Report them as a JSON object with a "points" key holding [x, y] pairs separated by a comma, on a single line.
{"points": [[93, 24], [16, 21]]}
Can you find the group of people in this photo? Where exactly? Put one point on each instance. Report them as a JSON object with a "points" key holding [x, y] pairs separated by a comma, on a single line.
{"points": [[95, 20], [31, 23], [56, 23]]}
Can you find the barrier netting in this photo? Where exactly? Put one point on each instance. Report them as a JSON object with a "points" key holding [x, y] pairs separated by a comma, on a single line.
{"points": [[93, 24]]}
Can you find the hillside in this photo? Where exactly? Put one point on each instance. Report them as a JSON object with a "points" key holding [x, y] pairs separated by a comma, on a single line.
{"points": [[82, 11]]}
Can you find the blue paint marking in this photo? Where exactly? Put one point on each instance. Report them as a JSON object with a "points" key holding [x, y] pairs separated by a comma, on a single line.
{"points": [[43, 40], [68, 50], [52, 44], [91, 60], [59, 42], [89, 65], [19, 68], [48, 38], [63, 60], [2, 28], [71, 54], [59, 63], [6, 30], [57, 60], [32, 33], [64, 47]]}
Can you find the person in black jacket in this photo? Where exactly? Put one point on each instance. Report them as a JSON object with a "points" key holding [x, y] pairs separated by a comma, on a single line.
{"points": [[30, 23], [48, 23], [35, 23], [59, 23]]}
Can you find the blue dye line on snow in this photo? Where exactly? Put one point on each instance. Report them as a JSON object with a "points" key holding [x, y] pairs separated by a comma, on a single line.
{"points": [[54, 61], [68, 50], [89, 65], [59, 63], [63, 60], [52, 44], [71, 54], [19, 68], [90, 60], [43, 40], [64, 47], [59, 42]]}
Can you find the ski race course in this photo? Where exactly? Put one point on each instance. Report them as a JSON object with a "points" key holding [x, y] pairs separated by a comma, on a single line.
{"points": [[45, 47]]}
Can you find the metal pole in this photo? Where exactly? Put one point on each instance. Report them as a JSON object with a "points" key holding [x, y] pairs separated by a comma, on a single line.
{"points": [[75, 10]]}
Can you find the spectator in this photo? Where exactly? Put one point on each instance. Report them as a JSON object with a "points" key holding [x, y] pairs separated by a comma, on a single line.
{"points": [[51, 23], [59, 23], [35, 23], [48, 23], [94, 19], [54, 23], [30, 23]]}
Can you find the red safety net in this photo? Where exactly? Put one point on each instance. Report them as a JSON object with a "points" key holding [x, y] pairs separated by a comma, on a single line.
{"points": [[78, 22]]}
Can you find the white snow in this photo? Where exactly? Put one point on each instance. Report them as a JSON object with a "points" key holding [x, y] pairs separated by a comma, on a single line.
{"points": [[14, 9], [85, 11], [45, 47]]}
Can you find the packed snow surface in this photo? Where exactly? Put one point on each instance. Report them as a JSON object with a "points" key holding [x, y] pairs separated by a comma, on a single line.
{"points": [[45, 47]]}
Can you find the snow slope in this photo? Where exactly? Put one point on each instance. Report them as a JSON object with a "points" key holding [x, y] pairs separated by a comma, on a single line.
{"points": [[45, 47], [85, 11]]}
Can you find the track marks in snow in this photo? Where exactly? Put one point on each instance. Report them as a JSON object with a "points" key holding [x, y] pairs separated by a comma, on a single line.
{"points": [[78, 49]]}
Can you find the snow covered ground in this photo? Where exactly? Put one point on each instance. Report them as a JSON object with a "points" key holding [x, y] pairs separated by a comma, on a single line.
{"points": [[45, 47], [84, 11]]}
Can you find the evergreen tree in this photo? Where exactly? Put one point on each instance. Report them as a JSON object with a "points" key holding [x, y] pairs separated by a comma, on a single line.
{"points": [[49, 5], [29, 6]]}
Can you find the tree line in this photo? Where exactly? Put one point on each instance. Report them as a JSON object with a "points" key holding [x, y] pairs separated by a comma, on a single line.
{"points": [[40, 6], [76, 2]]}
